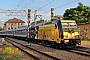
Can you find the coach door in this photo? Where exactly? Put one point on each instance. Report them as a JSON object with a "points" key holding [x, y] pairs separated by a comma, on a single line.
{"points": [[32, 33]]}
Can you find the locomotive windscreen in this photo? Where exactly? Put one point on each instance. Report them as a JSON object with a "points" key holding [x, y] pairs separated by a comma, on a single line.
{"points": [[69, 24]]}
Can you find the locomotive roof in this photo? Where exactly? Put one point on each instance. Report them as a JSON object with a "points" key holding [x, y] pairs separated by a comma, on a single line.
{"points": [[67, 20], [52, 22]]}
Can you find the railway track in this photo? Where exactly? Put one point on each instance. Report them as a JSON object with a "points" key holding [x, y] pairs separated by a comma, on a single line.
{"points": [[80, 50], [84, 51], [35, 54]]}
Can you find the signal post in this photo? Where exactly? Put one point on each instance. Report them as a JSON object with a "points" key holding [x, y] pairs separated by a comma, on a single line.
{"points": [[52, 13], [29, 11]]}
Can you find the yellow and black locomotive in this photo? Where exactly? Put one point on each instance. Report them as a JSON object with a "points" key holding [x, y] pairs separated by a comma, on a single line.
{"points": [[61, 32]]}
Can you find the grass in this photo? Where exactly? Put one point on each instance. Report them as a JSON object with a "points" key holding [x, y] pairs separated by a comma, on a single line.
{"points": [[15, 58], [9, 53], [85, 39]]}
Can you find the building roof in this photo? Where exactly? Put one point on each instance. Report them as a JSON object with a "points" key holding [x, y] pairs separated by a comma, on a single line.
{"points": [[83, 23], [14, 20]]}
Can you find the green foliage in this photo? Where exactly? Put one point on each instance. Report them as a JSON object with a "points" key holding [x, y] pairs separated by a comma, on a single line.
{"points": [[82, 21], [81, 12], [85, 39], [15, 58], [3, 56], [8, 53], [4, 46]]}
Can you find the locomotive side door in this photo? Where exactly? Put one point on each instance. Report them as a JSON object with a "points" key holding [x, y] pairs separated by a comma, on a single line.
{"points": [[34, 32]]}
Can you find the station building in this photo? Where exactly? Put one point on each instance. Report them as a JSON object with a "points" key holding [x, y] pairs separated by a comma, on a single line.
{"points": [[13, 24]]}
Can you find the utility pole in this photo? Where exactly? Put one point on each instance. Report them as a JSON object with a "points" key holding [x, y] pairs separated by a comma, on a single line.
{"points": [[29, 11], [40, 16], [35, 17]]}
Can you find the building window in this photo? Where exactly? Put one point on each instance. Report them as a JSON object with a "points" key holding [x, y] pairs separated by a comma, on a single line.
{"points": [[21, 23], [85, 33], [85, 29], [8, 28]]}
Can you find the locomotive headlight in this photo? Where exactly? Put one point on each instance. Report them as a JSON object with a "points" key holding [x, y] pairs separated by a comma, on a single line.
{"points": [[76, 33], [69, 35], [65, 34], [77, 36], [73, 34]]}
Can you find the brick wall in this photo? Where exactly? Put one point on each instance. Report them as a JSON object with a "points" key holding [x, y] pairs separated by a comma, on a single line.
{"points": [[84, 30]]}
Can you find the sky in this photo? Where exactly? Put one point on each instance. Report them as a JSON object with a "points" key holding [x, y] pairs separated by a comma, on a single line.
{"points": [[42, 6]]}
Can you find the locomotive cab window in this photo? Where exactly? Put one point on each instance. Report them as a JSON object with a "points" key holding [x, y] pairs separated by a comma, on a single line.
{"points": [[68, 24]]}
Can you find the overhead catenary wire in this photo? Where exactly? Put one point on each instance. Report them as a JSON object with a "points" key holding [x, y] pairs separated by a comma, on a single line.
{"points": [[43, 6], [46, 4], [73, 1], [27, 4], [30, 2], [15, 9], [18, 5]]}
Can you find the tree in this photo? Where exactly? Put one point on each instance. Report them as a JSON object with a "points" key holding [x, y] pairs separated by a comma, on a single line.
{"points": [[81, 12]]}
